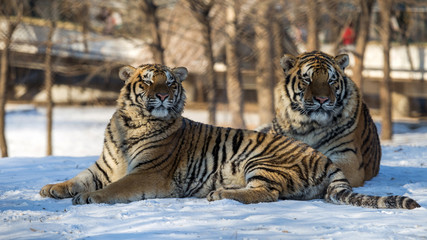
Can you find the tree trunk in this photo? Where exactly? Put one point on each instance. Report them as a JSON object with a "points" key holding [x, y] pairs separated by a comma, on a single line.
{"points": [[210, 73], [334, 35], [48, 86], [201, 10], [8, 9], [3, 81], [385, 86], [362, 40], [312, 25], [278, 48], [150, 11], [234, 79], [264, 67]]}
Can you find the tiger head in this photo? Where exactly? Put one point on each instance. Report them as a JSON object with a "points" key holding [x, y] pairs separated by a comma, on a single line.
{"points": [[153, 90], [314, 84]]}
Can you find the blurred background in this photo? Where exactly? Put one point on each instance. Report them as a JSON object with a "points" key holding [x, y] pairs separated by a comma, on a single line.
{"points": [[68, 52]]}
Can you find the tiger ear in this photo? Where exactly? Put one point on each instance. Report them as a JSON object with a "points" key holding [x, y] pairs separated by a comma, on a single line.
{"points": [[342, 60], [126, 72], [287, 62], [181, 73]]}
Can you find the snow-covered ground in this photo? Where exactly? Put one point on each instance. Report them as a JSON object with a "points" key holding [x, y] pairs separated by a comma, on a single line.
{"points": [[78, 137]]}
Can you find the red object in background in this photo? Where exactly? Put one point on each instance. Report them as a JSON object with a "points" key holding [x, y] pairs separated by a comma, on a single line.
{"points": [[348, 36]]}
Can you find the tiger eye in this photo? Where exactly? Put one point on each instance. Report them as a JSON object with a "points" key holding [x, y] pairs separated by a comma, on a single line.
{"points": [[306, 81], [147, 83], [140, 88]]}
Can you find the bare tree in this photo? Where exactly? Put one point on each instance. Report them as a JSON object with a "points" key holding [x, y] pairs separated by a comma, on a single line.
{"points": [[364, 23], [48, 84], [51, 16], [234, 78], [335, 24], [9, 9], [265, 66], [201, 10], [385, 7], [150, 10], [282, 42], [313, 16]]}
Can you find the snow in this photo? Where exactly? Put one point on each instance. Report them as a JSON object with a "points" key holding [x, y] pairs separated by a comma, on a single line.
{"points": [[78, 137]]}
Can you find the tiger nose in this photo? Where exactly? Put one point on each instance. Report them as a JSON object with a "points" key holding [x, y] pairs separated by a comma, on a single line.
{"points": [[162, 96], [321, 99]]}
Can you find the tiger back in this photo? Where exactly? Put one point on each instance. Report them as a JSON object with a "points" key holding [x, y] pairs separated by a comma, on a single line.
{"points": [[151, 151], [317, 103]]}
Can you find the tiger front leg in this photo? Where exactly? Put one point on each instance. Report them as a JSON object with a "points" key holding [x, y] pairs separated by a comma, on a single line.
{"points": [[69, 188], [132, 187], [88, 180]]}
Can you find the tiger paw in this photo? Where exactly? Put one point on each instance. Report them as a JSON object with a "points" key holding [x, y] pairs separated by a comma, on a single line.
{"points": [[58, 191], [214, 195], [87, 198]]}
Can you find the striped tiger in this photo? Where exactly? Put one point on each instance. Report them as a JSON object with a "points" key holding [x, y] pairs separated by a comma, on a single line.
{"points": [[151, 151], [318, 104]]}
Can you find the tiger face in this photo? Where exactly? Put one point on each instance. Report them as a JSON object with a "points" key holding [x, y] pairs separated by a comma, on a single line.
{"points": [[315, 84], [155, 89]]}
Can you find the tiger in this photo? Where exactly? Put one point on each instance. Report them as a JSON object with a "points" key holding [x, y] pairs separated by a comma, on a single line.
{"points": [[317, 103], [151, 151]]}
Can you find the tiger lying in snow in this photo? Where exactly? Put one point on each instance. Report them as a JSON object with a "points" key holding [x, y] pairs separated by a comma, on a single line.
{"points": [[151, 151]]}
